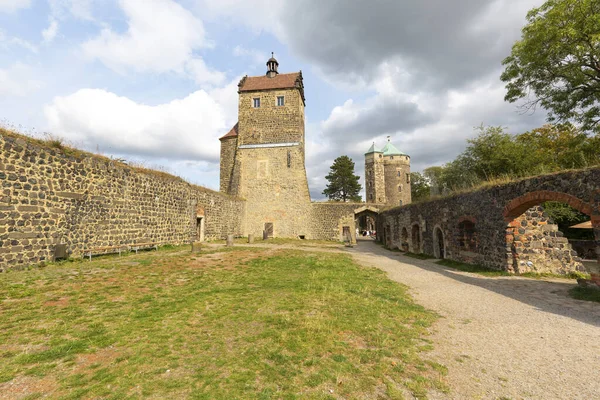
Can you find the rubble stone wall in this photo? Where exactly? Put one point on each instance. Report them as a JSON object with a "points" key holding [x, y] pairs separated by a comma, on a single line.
{"points": [[55, 195], [495, 212]]}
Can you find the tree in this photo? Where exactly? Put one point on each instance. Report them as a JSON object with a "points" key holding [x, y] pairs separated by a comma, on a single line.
{"points": [[343, 184], [557, 61], [419, 186]]}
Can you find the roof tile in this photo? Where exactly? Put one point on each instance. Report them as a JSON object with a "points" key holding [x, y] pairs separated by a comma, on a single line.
{"points": [[232, 133]]}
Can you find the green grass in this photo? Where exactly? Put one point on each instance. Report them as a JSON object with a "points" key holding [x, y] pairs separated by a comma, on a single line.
{"points": [[284, 241], [478, 269], [584, 293], [241, 323], [570, 275], [419, 256]]}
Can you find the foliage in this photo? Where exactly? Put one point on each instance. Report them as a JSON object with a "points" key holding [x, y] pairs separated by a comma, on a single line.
{"points": [[556, 64], [565, 216], [343, 184], [420, 186], [495, 154], [247, 323]]}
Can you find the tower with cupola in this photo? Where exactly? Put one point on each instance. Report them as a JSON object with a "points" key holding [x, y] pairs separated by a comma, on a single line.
{"points": [[262, 157], [387, 176]]}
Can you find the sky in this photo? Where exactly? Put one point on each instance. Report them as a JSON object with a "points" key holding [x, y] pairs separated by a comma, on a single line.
{"points": [[155, 81]]}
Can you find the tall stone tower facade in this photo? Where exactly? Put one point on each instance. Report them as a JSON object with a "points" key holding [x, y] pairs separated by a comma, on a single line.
{"points": [[387, 176], [263, 156]]}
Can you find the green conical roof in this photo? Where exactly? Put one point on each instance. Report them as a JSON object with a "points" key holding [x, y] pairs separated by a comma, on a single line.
{"points": [[391, 150], [373, 149]]}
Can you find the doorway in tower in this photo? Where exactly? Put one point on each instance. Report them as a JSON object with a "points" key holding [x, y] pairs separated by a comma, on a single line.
{"points": [[200, 229], [268, 232]]}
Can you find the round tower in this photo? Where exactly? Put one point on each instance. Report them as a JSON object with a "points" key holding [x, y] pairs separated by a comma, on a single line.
{"points": [[396, 166]]}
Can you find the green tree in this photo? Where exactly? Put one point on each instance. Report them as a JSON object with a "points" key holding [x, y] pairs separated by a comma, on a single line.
{"points": [[343, 184], [419, 186], [556, 64]]}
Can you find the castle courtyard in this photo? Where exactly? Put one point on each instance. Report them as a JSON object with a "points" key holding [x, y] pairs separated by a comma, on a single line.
{"points": [[290, 319]]}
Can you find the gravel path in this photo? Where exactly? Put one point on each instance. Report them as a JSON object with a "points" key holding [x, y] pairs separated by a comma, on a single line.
{"points": [[502, 338]]}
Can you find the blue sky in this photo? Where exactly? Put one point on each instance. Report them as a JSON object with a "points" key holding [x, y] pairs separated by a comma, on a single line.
{"points": [[154, 81]]}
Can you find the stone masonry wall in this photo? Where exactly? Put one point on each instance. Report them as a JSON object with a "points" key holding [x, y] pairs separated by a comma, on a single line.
{"points": [[271, 123], [228, 152], [396, 172], [492, 211], [537, 245], [85, 201], [275, 191]]}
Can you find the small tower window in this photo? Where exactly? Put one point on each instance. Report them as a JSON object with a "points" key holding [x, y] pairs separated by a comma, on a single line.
{"points": [[407, 177], [391, 157], [280, 101], [289, 159], [399, 173], [399, 188], [256, 102]]}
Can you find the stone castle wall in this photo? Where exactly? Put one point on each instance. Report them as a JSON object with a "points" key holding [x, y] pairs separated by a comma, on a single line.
{"points": [[85, 201], [537, 245], [494, 213], [271, 123], [273, 183], [227, 181]]}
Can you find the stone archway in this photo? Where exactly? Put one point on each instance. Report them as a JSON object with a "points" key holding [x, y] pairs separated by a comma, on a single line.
{"points": [[416, 238], [404, 239], [439, 244], [365, 219], [530, 237]]}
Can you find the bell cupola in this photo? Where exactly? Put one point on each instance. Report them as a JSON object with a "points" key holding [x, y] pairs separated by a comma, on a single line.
{"points": [[272, 65]]}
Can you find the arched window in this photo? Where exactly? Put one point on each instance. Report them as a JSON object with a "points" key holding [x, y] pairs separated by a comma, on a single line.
{"points": [[399, 188]]}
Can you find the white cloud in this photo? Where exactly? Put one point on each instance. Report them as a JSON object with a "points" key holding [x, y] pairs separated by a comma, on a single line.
{"points": [[8, 41], [161, 37], [18, 80], [255, 55], [50, 32], [183, 129], [13, 5], [200, 73], [81, 9]]}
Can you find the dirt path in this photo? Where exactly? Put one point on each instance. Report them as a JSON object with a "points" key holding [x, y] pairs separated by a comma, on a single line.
{"points": [[502, 338]]}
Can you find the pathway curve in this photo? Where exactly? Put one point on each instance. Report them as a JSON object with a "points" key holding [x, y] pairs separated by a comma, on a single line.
{"points": [[502, 338]]}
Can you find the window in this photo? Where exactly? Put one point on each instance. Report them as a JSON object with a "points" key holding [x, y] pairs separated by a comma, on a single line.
{"points": [[399, 188], [407, 177], [280, 101], [256, 102], [466, 236], [400, 203], [289, 159], [399, 173], [391, 157]]}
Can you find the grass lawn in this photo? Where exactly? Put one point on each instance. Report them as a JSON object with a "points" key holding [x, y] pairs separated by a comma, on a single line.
{"points": [[245, 323], [285, 241]]}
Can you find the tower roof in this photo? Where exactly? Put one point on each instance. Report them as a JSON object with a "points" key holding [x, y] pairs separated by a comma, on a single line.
{"points": [[373, 149], [391, 150], [232, 133], [279, 81]]}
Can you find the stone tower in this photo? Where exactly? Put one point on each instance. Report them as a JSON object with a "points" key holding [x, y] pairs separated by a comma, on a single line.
{"points": [[262, 157], [387, 176]]}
